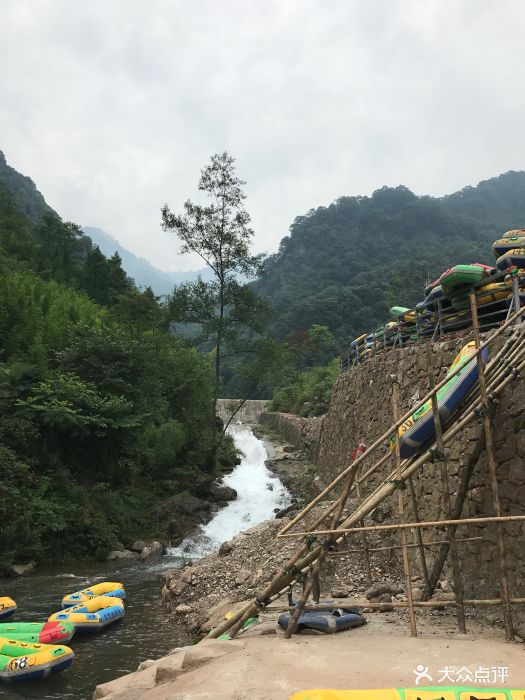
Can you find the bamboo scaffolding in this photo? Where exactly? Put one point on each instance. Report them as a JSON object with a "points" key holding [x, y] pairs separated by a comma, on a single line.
{"points": [[394, 427], [294, 617], [419, 538], [427, 523], [412, 467], [445, 486], [341, 552], [304, 558], [364, 540], [470, 602], [491, 459], [401, 507]]}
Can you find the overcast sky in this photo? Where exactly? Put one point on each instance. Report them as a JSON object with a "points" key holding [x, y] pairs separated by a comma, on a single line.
{"points": [[113, 106]]}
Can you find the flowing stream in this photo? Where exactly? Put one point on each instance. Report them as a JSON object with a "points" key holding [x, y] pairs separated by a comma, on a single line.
{"points": [[259, 494], [144, 632]]}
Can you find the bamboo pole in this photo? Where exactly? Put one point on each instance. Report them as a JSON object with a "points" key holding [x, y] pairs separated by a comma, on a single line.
{"points": [[284, 578], [393, 428], [435, 543], [419, 538], [491, 459], [412, 467], [314, 574], [427, 523], [445, 487], [470, 602], [364, 540], [401, 507]]}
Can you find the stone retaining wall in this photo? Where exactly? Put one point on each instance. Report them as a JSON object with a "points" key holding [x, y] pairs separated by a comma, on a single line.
{"points": [[250, 412], [360, 411], [302, 433]]}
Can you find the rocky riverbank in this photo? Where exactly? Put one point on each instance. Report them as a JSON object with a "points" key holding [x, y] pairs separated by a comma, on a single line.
{"points": [[197, 596]]}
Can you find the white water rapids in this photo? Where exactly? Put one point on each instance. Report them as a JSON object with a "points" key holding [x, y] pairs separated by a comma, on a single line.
{"points": [[258, 495]]}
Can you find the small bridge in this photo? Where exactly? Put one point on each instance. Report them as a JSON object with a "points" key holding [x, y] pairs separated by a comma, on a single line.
{"points": [[250, 411]]}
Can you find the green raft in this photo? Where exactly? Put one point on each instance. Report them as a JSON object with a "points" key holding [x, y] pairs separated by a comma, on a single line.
{"points": [[38, 632], [462, 276]]}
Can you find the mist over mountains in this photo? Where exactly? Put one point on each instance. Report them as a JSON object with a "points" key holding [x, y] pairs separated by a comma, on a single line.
{"points": [[139, 269]]}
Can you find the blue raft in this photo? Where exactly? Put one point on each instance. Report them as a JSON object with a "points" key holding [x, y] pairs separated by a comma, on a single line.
{"points": [[328, 621], [418, 430]]}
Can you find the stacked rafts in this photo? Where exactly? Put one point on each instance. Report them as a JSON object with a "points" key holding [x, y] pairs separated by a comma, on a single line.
{"points": [[33, 650], [446, 305]]}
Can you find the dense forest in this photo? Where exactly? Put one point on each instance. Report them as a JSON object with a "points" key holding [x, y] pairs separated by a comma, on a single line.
{"points": [[103, 413], [344, 265]]}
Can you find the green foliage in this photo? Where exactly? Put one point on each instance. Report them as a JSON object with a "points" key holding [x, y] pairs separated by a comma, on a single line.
{"points": [[228, 311], [308, 392], [344, 265], [103, 414]]}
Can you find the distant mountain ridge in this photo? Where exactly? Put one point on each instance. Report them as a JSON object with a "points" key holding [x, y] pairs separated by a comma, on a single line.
{"points": [[139, 269], [343, 265], [32, 204], [23, 189]]}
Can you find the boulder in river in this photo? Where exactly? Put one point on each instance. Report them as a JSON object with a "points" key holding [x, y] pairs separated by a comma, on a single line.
{"points": [[182, 504], [125, 554], [222, 493], [20, 569], [138, 546], [152, 552]]}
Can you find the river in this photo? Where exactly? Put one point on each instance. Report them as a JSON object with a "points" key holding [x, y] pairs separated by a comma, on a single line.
{"points": [[144, 632]]}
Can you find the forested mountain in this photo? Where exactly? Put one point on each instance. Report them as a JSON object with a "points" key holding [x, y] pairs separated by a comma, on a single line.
{"points": [[103, 414], [141, 271], [26, 196], [344, 265]]}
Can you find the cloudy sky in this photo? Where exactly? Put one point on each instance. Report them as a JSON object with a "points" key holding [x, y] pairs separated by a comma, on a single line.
{"points": [[114, 106]]}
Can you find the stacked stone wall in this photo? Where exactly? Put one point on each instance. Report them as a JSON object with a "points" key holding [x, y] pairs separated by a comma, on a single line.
{"points": [[302, 433], [249, 412], [360, 411]]}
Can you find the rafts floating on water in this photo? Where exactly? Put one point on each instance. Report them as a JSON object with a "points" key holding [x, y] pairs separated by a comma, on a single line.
{"points": [[22, 661], [106, 588], [38, 632], [418, 430], [7, 607], [93, 614]]}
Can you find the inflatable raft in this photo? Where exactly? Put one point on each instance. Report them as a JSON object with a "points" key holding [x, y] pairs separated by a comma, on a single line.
{"points": [[497, 291], [462, 276], [328, 621], [22, 661], [418, 430], [512, 258], [106, 588], [7, 607], [503, 245], [94, 614], [38, 632]]}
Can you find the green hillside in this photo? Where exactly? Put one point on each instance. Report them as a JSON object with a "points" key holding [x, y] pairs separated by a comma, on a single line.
{"points": [[344, 265], [103, 414]]}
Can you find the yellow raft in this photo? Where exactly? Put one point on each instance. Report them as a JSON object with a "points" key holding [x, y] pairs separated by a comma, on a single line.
{"points": [[492, 292], [93, 614], [22, 661], [105, 588], [7, 607], [435, 693]]}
